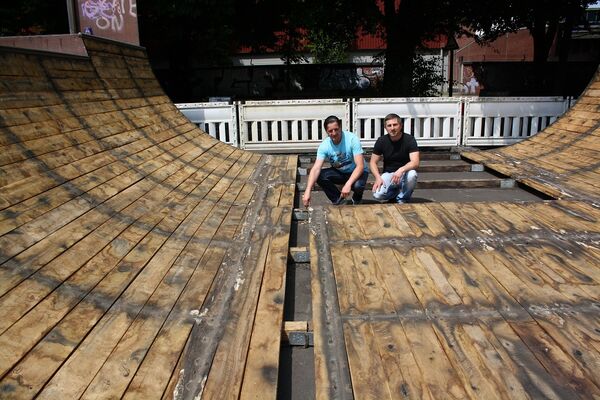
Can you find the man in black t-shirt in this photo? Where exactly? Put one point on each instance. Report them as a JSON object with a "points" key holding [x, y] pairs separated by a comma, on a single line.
{"points": [[400, 161]]}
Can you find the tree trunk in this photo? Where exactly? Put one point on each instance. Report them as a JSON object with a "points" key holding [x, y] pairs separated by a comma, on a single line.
{"points": [[402, 34]]}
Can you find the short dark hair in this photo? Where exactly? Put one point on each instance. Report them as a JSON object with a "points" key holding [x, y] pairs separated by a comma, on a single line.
{"points": [[393, 116], [330, 120]]}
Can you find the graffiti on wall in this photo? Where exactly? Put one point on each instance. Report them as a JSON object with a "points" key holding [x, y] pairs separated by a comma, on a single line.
{"points": [[109, 14], [115, 19]]}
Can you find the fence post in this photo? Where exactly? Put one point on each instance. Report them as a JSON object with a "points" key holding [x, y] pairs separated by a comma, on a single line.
{"points": [[464, 115], [347, 115], [243, 128]]}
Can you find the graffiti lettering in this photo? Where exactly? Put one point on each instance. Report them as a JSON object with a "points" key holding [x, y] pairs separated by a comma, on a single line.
{"points": [[133, 8], [108, 14]]}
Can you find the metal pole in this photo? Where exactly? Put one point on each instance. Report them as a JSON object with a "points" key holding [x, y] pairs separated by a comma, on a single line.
{"points": [[451, 73], [71, 14]]}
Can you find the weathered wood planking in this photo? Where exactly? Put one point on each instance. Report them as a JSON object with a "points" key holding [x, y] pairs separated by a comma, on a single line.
{"points": [[117, 217], [562, 161], [482, 300]]}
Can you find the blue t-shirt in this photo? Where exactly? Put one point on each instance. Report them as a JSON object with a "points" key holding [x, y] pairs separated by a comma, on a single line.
{"points": [[341, 156]]}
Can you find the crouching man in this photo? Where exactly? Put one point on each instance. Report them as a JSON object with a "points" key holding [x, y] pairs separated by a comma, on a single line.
{"points": [[400, 160], [345, 154]]}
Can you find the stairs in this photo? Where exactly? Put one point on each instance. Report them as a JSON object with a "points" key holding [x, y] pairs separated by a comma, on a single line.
{"points": [[443, 176]]}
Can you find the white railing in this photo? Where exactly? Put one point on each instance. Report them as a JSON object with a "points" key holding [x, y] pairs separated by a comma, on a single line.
{"points": [[288, 125], [296, 125], [218, 119], [433, 121], [506, 120]]}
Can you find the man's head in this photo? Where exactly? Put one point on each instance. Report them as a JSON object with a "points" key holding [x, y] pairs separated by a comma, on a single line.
{"points": [[333, 127], [393, 125]]}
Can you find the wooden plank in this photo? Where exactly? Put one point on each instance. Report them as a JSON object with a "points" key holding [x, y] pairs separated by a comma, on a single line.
{"points": [[76, 373], [237, 344], [349, 291], [83, 154], [27, 188], [45, 358], [570, 369], [262, 362], [26, 211], [365, 364], [294, 326], [475, 374], [35, 324], [72, 232], [152, 377], [402, 374], [332, 375], [438, 373], [225, 376], [361, 285], [500, 369], [54, 305], [533, 377], [120, 367], [426, 278]]}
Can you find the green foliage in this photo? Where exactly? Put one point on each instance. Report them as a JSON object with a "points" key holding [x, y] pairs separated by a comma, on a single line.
{"points": [[326, 49], [427, 77], [331, 26]]}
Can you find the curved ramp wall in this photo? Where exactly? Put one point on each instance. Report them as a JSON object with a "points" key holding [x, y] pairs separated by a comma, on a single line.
{"points": [[562, 161], [127, 234]]}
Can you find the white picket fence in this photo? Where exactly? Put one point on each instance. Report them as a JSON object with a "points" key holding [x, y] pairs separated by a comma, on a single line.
{"points": [[296, 125], [502, 121], [433, 121], [218, 119], [289, 125]]}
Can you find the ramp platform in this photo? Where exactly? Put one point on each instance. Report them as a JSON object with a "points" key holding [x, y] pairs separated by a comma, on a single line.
{"points": [[141, 258]]}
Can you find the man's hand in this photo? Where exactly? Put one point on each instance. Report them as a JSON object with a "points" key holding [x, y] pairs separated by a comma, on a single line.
{"points": [[378, 183], [346, 191], [397, 176], [306, 199]]}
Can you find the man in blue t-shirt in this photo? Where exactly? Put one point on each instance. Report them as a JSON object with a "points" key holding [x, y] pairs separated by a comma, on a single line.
{"points": [[343, 151], [400, 160]]}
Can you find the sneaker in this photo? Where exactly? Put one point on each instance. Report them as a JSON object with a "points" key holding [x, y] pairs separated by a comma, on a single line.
{"points": [[347, 202]]}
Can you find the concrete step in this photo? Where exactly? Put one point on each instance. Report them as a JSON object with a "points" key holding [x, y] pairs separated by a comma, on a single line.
{"points": [[444, 180], [425, 166], [445, 195], [425, 155]]}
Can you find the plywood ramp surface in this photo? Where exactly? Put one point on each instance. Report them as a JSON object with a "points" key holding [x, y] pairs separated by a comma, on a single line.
{"points": [[129, 238], [480, 301], [562, 161]]}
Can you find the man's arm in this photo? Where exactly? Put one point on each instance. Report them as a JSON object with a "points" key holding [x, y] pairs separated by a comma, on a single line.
{"points": [[415, 159], [359, 160], [375, 171], [315, 171]]}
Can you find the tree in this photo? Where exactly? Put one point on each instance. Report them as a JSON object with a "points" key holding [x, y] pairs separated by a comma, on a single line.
{"points": [[185, 35], [546, 20], [406, 24], [332, 26]]}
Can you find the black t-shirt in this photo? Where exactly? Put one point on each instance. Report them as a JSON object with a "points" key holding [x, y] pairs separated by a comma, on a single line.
{"points": [[395, 154]]}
